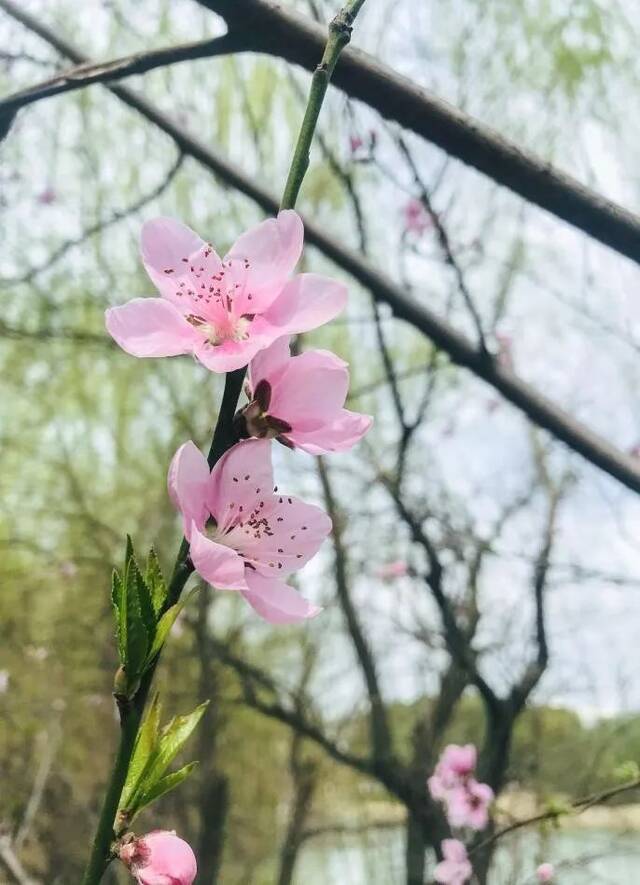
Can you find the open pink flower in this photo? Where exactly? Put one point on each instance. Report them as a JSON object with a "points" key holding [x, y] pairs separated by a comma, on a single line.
{"points": [[456, 868], [299, 400], [468, 805], [223, 311], [545, 872], [160, 858], [244, 535]]}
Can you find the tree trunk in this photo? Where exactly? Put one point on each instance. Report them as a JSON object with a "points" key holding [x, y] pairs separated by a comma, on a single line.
{"points": [[214, 808], [415, 851]]}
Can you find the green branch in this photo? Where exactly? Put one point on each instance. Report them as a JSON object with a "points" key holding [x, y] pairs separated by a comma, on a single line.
{"points": [[131, 712]]}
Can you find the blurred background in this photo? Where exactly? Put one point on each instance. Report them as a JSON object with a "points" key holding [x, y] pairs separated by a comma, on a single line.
{"points": [[318, 741]]}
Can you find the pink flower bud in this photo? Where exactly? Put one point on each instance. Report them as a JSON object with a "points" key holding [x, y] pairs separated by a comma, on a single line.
{"points": [[160, 858], [355, 143], [545, 872]]}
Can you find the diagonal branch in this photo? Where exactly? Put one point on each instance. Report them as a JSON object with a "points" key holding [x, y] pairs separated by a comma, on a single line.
{"points": [[297, 39], [537, 407]]}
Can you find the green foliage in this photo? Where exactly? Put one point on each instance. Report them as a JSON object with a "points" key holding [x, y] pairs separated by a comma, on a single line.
{"points": [[154, 752], [141, 624]]}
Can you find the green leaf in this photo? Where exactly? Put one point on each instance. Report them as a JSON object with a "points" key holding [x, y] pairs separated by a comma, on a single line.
{"points": [[155, 582], [135, 640], [172, 739], [145, 747], [116, 599], [162, 786], [147, 612], [164, 625]]}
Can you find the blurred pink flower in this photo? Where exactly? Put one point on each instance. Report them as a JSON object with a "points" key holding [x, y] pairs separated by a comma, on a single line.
{"points": [[416, 217], [396, 569], [223, 311], [468, 805], [243, 535], [545, 872], [466, 801], [355, 143], [505, 350], [160, 858], [299, 400], [456, 868]]}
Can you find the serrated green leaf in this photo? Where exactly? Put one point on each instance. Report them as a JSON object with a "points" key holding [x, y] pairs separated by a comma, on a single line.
{"points": [[132, 627], [145, 747], [155, 582], [145, 603], [116, 599], [163, 627], [129, 554], [164, 785], [172, 738]]}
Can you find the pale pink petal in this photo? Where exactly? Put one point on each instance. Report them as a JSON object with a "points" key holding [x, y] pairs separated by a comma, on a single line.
{"points": [[164, 243], [151, 327], [338, 436], [188, 481], [311, 391], [220, 566], [461, 760], [307, 301], [266, 255], [270, 363], [545, 872], [276, 601], [230, 355], [296, 531], [454, 849], [241, 479]]}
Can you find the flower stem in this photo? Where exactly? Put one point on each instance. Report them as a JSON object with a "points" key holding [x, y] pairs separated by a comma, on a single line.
{"points": [[339, 37], [131, 713]]}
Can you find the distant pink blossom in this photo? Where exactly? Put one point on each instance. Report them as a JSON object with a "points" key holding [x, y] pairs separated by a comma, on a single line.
{"points": [[355, 143], [223, 311], [244, 535], [160, 858], [545, 872], [456, 868], [466, 801], [468, 805], [389, 570], [299, 400], [416, 217], [505, 350]]}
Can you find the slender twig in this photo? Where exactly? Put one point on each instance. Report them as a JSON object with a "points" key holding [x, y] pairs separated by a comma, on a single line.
{"points": [[131, 712]]}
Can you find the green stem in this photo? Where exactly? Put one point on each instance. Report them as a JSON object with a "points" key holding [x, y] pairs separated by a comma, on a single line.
{"points": [[223, 438], [339, 37]]}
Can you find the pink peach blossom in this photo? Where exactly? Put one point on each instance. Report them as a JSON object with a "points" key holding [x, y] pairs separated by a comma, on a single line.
{"points": [[468, 805], [545, 872], [416, 218], [454, 765], [244, 535], [160, 858], [299, 400], [355, 143], [456, 868], [223, 311]]}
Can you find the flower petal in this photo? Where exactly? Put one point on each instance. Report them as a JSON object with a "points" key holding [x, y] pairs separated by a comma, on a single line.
{"points": [[188, 481], [241, 479], [306, 302], [276, 601], [151, 327], [230, 355], [338, 436], [295, 533], [219, 565], [165, 244], [268, 364], [311, 391], [266, 255]]}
